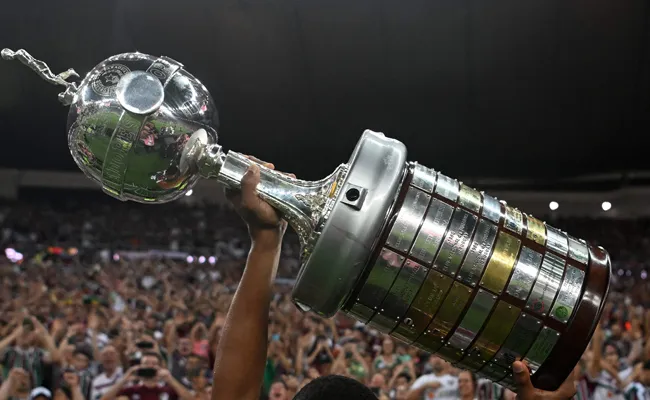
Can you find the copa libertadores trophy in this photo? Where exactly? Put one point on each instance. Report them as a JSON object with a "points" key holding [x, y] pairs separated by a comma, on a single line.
{"points": [[405, 249]]}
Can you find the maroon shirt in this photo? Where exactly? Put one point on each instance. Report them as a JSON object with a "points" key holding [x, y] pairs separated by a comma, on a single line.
{"points": [[141, 392]]}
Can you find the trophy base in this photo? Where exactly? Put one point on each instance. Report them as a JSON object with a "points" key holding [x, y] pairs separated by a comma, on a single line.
{"points": [[345, 243]]}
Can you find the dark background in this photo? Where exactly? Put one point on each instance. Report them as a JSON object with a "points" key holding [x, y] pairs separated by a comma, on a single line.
{"points": [[475, 88]]}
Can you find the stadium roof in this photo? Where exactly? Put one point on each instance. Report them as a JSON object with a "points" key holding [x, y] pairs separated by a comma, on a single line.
{"points": [[474, 88]]}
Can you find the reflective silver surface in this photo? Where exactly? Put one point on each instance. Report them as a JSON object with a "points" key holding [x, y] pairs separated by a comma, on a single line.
{"points": [[548, 282], [145, 129], [568, 296], [478, 254], [470, 198], [519, 341], [491, 208], [456, 242], [423, 178], [433, 229], [447, 187], [525, 273], [43, 71], [473, 320], [541, 348], [404, 289], [339, 250], [578, 250], [492, 372], [557, 240], [514, 220], [408, 220], [381, 278]]}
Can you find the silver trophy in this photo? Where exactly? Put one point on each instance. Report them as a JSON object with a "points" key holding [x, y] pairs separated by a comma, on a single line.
{"points": [[405, 249]]}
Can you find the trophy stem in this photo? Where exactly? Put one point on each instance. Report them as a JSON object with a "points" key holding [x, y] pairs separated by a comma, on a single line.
{"points": [[303, 204]]}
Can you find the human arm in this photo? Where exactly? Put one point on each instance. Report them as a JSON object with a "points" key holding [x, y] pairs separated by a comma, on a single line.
{"points": [[16, 375], [595, 366], [420, 385], [116, 389], [46, 340], [241, 353], [181, 391]]}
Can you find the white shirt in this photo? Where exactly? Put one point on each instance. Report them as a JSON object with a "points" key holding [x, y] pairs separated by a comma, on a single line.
{"points": [[102, 383], [448, 389], [606, 387]]}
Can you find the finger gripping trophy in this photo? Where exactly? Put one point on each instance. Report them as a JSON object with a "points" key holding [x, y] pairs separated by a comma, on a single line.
{"points": [[405, 249]]}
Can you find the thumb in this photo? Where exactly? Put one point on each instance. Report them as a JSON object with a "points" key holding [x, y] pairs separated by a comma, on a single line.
{"points": [[525, 388], [248, 186]]}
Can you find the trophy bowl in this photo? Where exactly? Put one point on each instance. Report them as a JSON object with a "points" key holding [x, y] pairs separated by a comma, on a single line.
{"points": [[130, 121], [405, 249]]}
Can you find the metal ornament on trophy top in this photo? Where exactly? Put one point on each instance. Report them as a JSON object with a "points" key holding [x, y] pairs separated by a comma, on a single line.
{"points": [[405, 249]]}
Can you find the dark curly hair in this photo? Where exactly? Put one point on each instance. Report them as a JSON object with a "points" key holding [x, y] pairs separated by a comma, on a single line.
{"points": [[335, 387]]}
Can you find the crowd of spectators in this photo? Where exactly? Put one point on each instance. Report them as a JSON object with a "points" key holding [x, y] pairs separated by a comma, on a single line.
{"points": [[82, 318]]}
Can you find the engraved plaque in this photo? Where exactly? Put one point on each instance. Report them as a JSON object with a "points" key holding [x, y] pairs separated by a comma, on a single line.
{"points": [[470, 198], [547, 284], [501, 263], [568, 295], [424, 306], [491, 208], [429, 342], [408, 220], [361, 312], [496, 331], [447, 187], [450, 353], [493, 372], [578, 250], [473, 320], [541, 348], [382, 323], [536, 230], [514, 220], [403, 292], [556, 240], [432, 231], [456, 242], [525, 273], [423, 178], [519, 341], [479, 251], [381, 278], [450, 310]]}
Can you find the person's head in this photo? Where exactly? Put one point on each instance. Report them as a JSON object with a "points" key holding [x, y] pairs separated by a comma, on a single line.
{"points": [[387, 346], [335, 387], [466, 385], [278, 391], [611, 355], [617, 330], [403, 379], [81, 357], [150, 360], [184, 346], [152, 323], [401, 392], [40, 393], [109, 359], [377, 381], [194, 361], [199, 379], [437, 364]]}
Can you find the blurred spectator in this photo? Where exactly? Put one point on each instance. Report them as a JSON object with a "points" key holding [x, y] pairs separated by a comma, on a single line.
{"points": [[104, 287]]}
